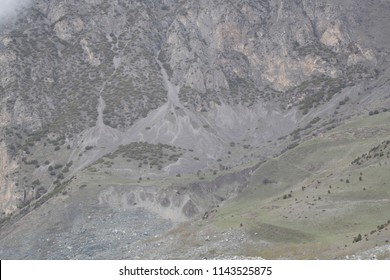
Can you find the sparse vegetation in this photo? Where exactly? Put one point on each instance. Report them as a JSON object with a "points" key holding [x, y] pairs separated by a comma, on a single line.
{"points": [[357, 238], [375, 112], [148, 154], [380, 151], [51, 88]]}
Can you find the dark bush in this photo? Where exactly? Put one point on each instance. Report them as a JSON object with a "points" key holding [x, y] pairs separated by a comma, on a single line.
{"points": [[58, 166], [357, 238], [267, 181]]}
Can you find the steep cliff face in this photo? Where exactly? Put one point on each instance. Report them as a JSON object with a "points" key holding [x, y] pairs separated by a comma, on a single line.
{"points": [[10, 194], [221, 83], [69, 52], [232, 52]]}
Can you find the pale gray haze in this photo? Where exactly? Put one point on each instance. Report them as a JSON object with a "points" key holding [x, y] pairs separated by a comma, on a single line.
{"points": [[10, 7]]}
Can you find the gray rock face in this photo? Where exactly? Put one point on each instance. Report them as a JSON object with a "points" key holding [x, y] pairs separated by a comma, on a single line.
{"points": [[68, 52], [227, 82], [220, 53]]}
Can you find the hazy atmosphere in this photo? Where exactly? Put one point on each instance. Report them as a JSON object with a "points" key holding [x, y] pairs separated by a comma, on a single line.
{"points": [[192, 129], [9, 7]]}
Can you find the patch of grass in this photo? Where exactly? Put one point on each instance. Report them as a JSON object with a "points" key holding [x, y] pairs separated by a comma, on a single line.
{"points": [[148, 154], [313, 215]]}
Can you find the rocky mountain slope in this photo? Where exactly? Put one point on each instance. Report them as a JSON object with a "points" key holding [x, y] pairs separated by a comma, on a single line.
{"points": [[127, 118]]}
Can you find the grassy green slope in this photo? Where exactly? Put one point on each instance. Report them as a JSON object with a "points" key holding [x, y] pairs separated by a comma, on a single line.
{"points": [[311, 201]]}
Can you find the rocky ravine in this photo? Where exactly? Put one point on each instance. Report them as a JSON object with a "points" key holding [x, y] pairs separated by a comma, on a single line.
{"points": [[113, 221]]}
